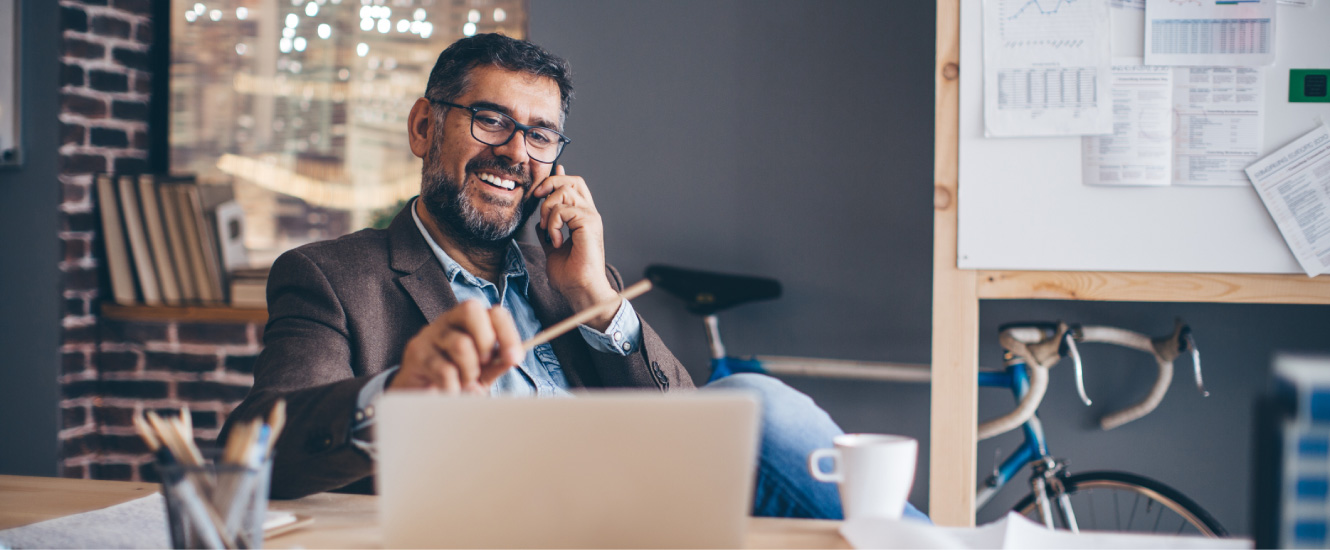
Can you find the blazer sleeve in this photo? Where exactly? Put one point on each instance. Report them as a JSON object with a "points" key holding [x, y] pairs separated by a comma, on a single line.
{"points": [[653, 365], [306, 361]]}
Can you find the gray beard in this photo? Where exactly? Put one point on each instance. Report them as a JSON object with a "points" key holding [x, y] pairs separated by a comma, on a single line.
{"points": [[450, 206]]}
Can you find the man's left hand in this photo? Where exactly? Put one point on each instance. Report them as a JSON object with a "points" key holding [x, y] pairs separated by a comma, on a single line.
{"points": [[576, 264]]}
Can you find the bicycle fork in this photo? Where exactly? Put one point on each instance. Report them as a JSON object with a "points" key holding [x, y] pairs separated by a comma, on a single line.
{"points": [[1046, 479]]}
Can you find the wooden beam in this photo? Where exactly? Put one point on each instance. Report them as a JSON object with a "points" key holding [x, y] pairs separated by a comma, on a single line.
{"points": [[955, 392], [200, 314], [1155, 287]]}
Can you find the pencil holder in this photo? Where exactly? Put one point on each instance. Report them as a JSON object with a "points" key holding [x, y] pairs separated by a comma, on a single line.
{"points": [[216, 505]]}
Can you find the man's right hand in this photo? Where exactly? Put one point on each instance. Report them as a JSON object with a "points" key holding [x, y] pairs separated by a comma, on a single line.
{"points": [[463, 351]]}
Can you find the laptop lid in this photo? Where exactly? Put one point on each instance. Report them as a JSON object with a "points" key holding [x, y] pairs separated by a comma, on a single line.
{"points": [[606, 469]]}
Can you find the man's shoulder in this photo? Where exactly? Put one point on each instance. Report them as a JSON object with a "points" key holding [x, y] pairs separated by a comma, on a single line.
{"points": [[362, 251]]}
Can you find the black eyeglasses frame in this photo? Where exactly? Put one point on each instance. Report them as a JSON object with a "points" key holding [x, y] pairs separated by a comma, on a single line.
{"points": [[517, 127]]}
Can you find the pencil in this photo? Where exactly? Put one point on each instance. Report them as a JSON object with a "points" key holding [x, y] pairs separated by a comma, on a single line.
{"points": [[586, 315]]}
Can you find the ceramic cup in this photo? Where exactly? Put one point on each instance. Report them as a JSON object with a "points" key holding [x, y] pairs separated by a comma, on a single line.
{"points": [[873, 472]]}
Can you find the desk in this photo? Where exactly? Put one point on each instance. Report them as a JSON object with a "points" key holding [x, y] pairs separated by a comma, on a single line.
{"points": [[340, 521]]}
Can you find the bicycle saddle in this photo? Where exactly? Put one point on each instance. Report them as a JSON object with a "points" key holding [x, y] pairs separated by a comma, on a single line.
{"points": [[706, 292]]}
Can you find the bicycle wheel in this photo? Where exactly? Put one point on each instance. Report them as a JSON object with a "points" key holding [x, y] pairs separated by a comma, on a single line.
{"points": [[1123, 502]]}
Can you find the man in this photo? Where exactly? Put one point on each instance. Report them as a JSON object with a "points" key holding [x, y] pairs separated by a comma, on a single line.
{"points": [[444, 297]]}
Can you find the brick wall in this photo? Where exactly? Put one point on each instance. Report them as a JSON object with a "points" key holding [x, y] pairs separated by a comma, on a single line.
{"points": [[113, 369]]}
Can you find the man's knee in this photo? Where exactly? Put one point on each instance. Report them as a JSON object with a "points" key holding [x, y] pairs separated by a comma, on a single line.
{"points": [[781, 404]]}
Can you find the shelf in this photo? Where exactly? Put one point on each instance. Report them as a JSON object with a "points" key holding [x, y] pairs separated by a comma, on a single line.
{"points": [[198, 314], [1155, 287]]}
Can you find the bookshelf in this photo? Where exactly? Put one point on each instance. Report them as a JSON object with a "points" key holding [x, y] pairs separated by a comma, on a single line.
{"points": [[198, 314]]}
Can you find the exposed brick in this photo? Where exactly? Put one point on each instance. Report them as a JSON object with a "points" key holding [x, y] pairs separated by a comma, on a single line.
{"points": [[82, 105], [93, 2], [76, 306], [114, 416], [131, 58], [81, 221], [71, 75], [129, 110], [108, 81], [243, 364], [73, 362], [219, 333], [118, 361], [148, 472], [109, 137], [81, 388], [73, 471], [74, 250], [82, 164], [83, 49], [140, 140], [114, 27], [206, 420], [81, 445], [143, 32], [203, 391], [142, 82], [72, 133], [134, 389], [113, 472], [130, 165], [138, 332], [73, 19], [80, 335], [73, 416], [180, 362], [80, 279], [141, 7], [128, 444]]}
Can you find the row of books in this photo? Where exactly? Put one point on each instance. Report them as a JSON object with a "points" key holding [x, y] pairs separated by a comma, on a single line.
{"points": [[173, 241]]}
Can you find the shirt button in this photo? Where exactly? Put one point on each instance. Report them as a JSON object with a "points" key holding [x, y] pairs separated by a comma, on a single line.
{"points": [[618, 336], [627, 346], [369, 411], [360, 416]]}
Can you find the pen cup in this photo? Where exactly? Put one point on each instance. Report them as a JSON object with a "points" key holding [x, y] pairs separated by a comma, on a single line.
{"points": [[216, 505]]}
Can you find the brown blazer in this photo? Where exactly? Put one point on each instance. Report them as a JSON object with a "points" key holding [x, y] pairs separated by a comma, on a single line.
{"points": [[342, 311]]}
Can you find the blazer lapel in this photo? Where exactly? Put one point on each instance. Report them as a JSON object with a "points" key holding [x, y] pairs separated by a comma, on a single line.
{"points": [[422, 276]]}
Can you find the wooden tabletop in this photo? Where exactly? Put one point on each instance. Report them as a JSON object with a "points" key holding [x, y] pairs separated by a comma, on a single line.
{"points": [[340, 521]]}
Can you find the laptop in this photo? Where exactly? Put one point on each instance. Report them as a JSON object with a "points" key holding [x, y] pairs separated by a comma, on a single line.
{"points": [[600, 470]]}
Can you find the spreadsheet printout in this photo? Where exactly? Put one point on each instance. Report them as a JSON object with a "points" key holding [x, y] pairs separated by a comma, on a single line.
{"points": [[1220, 124], [1046, 68], [1230, 33]]}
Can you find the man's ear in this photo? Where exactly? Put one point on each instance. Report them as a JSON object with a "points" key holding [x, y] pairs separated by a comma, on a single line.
{"points": [[420, 128]]}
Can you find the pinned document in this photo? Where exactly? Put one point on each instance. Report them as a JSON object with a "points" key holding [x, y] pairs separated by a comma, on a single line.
{"points": [[1234, 33], [1294, 183], [1139, 152], [1220, 123]]}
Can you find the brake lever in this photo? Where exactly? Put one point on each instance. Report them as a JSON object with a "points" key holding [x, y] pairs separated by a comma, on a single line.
{"points": [[1190, 345], [1070, 342]]}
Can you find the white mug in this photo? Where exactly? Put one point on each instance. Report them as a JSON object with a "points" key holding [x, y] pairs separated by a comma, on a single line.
{"points": [[874, 472]]}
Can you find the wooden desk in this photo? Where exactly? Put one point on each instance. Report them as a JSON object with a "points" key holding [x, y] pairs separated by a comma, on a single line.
{"points": [[340, 521]]}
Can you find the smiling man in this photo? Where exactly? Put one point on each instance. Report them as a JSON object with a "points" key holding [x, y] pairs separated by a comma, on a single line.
{"points": [[444, 297]]}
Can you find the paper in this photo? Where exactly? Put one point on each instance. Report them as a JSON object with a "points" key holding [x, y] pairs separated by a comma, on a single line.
{"points": [[1294, 184], [1298, 3], [1210, 32], [1046, 68], [139, 523], [1220, 129], [1012, 531], [1140, 151], [1134, 4]]}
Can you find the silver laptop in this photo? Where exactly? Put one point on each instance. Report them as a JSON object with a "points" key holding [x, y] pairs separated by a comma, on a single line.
{"points": [[609, 469]]}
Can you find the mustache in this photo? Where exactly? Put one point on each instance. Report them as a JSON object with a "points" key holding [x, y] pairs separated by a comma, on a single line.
{"points": [[518, 172]]}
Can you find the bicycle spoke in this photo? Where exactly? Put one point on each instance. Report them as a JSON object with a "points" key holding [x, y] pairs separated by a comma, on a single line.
{"points": [[1132, 518], [1089, 498], [1117, 509], [1158, 517]]}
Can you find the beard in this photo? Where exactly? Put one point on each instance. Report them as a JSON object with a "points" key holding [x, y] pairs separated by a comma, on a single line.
{"points": [[448, 202]]}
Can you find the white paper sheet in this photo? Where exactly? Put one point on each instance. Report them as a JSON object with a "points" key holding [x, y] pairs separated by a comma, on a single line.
{"points": [[1133, 4], [1294, 184], [1140, 151], [1046, 68], [1220, 114], [1230, 33], [1012, 531]]}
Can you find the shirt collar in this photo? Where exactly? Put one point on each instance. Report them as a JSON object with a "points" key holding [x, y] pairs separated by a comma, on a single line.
{"points": [[514, 272]]}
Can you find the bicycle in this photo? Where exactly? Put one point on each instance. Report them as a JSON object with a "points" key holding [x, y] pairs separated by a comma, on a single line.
{"points": [[1030, 350]]}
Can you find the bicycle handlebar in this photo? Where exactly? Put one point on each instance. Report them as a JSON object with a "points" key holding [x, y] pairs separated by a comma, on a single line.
{"points": [[1042, 346]]}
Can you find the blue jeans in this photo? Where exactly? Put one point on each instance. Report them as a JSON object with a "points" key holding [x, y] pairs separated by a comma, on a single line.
{"points": [[792, 427]]}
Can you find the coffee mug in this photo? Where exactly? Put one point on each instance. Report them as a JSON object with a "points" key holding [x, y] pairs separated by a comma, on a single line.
{"points": [[873, 472]]}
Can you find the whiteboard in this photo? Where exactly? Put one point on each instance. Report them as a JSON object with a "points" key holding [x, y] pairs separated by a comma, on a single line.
{"points": [[1023, 207]]}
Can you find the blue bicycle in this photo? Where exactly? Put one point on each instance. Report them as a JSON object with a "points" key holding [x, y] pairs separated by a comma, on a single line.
{"points": [[1098, 500]]}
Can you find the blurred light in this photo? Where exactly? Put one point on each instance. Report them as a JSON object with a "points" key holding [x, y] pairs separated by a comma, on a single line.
{"points": [[191, 16], [473, 16], [300, 43], [364, 2], [343, 74], [241, 48], [366, 24], [295, 68], [322, 2], [469, 29], [415, 27], [311, 9], [242, 13], [390, 63], [292, 20], [284, 45], [199, 9], [419, 15], [362, 49], [288, 32], [372, 63], [296, 2], [426, 29], [500, 15], [325, 30], [366, 11], [403, 25], [385, 25], [215, 15]]}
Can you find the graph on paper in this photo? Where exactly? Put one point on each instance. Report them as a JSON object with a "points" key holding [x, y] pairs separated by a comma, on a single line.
{"points": [[1058, 24]]}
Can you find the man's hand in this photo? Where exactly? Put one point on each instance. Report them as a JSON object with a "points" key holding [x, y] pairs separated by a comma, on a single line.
{"points": [[576, 265], [464, 350]]}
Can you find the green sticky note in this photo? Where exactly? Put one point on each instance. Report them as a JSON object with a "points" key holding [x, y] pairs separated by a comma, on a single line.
{"points": [[1309, 86]]}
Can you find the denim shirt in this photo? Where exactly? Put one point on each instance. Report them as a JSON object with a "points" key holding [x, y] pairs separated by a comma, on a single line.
{"points": [[539, 374]]}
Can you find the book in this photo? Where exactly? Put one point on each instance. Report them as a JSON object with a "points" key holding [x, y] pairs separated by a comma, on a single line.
{"points": [[175, 236], [139, 249], [249, 288], [212, 275], [113, 242], [157, 240], [198, 268]]}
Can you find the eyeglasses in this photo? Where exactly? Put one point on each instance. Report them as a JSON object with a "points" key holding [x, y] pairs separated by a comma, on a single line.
{"points": [[496, 129]]}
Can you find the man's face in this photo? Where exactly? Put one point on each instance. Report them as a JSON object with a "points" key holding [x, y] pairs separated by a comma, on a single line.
{"points": [[463, 179]]}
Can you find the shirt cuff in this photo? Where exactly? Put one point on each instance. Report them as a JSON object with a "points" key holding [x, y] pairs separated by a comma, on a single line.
{"points": [[624, 335], [362, 420]]}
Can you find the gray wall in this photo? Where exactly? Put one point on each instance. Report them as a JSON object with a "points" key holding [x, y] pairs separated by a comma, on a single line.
{"points": [[29, 254], [793, 139]]}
